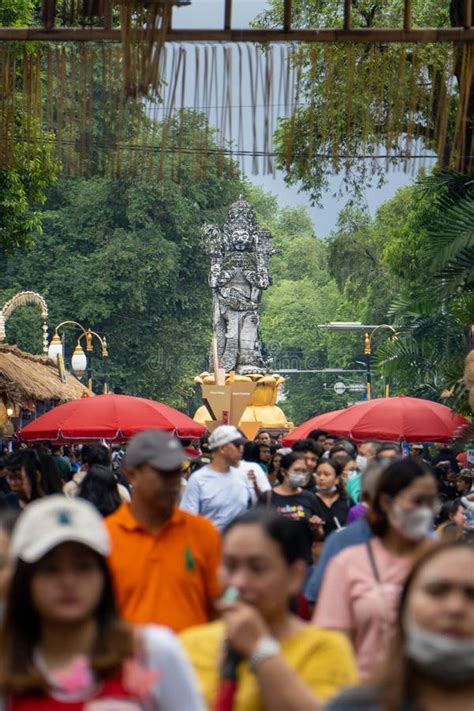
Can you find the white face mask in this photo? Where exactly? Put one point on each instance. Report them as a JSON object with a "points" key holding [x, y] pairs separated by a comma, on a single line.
{"points": [[413, 525], [353, 473], [296, 480], [329, 490], [439, 656], [361, 462]]}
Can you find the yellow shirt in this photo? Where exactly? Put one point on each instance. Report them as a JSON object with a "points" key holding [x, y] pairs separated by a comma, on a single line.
{"points": [[323, 659]]}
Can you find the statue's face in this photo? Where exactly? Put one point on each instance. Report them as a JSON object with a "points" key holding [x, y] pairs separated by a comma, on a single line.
{"points": [[242, 239]]}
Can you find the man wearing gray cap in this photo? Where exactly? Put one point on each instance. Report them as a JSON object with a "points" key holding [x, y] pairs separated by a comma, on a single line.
{"points": [[219, 491], [164, 561]]}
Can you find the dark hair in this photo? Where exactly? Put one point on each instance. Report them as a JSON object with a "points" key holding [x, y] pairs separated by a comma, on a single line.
{"points": [[288, 459], [314, 434], [336, 464], [397, 679], [95, 454], [307, 445], [287, 533], [8, 518], [344, 460], [20, 632], [396, 477], [55, 448], [338, 467], [383, 446], [49, 480], [465, 478], [99, 486], [250, 453], [338, 448], [448, 510]]}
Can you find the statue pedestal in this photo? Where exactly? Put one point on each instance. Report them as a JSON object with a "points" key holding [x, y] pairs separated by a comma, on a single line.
{"points": [[259, 410]]}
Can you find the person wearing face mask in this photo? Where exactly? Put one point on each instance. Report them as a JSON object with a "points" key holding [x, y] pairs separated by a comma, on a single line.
{"points": [[290, 500], [431, 663], [366, 452], [332, 503], [362, 584]]}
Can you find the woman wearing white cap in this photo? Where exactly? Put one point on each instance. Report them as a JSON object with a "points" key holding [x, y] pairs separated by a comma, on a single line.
{"points": [[63, 645]]}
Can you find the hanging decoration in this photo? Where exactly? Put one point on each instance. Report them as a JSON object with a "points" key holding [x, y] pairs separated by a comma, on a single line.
{"points": [[25, 298], [340, 103]]}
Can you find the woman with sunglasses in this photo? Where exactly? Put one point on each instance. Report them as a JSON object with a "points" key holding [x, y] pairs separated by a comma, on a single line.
{"points": [[63, 646]]}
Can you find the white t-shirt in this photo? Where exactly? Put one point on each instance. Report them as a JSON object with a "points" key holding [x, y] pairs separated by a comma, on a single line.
{"points": [[219, 496], [262, 479]]}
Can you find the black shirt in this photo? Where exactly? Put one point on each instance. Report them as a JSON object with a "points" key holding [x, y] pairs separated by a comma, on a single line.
{"points": [[339, 509], [299, 507]]}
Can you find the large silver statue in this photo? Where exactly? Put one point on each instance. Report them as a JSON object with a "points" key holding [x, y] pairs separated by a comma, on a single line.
{"points": [[240, 254]]}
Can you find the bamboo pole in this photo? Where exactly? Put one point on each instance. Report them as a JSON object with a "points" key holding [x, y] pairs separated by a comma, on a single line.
{"points": [[407, 16], [228, 15], [323, 35], [467, 14], [287, 16], [347, 14]]}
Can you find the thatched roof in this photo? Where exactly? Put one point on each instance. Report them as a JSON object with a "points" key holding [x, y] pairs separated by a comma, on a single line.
{"points": [[25, 378]]}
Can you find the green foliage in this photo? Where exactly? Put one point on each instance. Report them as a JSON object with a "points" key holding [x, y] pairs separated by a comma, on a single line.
{"points": [[17, 13], [22, 192], [32, 170], [433, 313], [123, 257], [350, 100], [303, 296]]}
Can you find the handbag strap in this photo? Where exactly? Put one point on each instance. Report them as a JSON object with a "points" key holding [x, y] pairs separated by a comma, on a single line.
{"points": [[373, 564]]}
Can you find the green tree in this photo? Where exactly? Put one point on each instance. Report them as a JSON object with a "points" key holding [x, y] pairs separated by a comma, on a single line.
{"points": [[25, 175], [355, 101], [302, 296], [124, 257], [434, 311]]}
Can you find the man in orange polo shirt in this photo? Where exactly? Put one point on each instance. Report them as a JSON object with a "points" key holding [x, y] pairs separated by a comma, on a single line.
{"points": [[164, 561]]}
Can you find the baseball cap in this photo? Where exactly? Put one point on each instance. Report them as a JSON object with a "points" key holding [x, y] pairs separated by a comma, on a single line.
{"points": [[48, 522], [225, 434], [156, 448]]}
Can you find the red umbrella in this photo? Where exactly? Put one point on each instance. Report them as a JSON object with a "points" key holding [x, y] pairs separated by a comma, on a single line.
{"points": [[315, 423], [393, 419], [111, 417]]}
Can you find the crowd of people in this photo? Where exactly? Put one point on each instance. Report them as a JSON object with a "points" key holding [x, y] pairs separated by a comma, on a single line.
{"points": [[230, 575]]}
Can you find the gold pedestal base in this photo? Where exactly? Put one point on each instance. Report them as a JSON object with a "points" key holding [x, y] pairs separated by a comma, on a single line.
{"points": [[261, 411]]}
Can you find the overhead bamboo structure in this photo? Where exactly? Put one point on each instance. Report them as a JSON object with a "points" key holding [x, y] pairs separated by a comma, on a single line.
{"points": [[416, 104], [60, 19]]}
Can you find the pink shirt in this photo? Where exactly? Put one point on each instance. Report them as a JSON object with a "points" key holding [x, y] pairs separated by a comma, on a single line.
{"points": [[351, 600]]}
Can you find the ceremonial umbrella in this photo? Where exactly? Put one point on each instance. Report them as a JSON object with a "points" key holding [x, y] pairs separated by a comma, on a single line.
{"points": [[114, 418], [394, 419]]}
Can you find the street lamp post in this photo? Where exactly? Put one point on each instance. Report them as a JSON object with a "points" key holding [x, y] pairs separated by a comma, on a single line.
{"points": [[80, 362], [368, 352], [359, 326]]}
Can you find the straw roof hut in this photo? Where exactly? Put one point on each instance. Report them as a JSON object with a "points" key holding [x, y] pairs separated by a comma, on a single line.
{"points": [[27, 379]]}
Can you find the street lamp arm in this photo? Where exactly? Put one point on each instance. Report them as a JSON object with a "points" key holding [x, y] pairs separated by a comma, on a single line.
{"points": [[102, 340], [70, 323], [377, 328]]}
